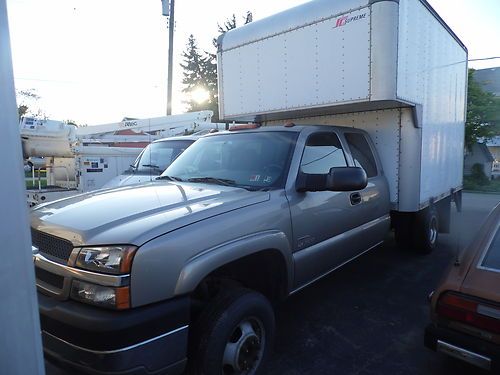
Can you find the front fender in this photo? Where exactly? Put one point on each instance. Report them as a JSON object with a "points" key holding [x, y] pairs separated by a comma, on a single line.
{"points": [[173, 264], [201, 265]]}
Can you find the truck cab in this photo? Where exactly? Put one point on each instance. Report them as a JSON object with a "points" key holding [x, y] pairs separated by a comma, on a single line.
{"points": [[295, 202]]}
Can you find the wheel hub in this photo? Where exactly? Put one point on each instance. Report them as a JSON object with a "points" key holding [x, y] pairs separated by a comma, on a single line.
{"points": [[248, 353], [244, 348]]}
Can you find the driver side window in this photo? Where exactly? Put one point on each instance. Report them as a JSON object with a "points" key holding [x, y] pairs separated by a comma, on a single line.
{"points": [[322, 152]]}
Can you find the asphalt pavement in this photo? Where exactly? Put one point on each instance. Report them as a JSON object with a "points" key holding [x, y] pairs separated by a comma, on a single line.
{"points": [[368, 318]]}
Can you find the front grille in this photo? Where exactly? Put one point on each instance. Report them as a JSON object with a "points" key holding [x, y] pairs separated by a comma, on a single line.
{"points": [[51, 245], [49, 278]]}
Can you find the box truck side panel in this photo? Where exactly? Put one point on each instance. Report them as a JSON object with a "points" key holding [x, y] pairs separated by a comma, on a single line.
{"points": [[290, 19], [432, 71], [384, 130], [235, 92], [301, 61], [342, 67], [384, 50], [321, 64], [271, 76]]}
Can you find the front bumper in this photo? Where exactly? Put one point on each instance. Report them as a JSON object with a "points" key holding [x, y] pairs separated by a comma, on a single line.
{"points": [[473, 350], [144, 340]]}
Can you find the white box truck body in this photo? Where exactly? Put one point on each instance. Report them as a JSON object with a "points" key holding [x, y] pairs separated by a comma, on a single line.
{"points": [[392, 68]]}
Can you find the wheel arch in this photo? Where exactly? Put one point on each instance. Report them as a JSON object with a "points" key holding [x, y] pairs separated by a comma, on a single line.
{"points": [[270, 248]]}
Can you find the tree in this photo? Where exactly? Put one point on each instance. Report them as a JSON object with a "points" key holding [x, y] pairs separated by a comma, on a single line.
{"points": [[22, 110], [200, 70], [196, 71], [483, 113], [27, 100]]}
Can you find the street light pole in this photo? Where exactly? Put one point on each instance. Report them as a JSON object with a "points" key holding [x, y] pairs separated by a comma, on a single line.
{"points": [[171, 25]]}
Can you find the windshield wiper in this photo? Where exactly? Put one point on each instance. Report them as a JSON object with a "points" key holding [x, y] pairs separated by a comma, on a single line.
{"points": [[213, 180], [151, 166], [170, 178]]}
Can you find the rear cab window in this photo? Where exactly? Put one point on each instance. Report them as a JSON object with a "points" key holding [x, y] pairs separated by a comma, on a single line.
{"points": [[361, 153]]}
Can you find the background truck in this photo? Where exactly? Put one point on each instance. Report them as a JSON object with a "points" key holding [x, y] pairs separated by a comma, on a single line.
{"points": [[152, 161], [82, 159], [392, 68], [144, 278]]}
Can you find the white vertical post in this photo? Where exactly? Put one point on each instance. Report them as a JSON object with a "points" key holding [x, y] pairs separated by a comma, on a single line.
{"points": [[171, 27], [20, 341]]}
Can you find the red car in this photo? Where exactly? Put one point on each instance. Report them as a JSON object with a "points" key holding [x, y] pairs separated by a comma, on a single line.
{"points": [[465, 308]]}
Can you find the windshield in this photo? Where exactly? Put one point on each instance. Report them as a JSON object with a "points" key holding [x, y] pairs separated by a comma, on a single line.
{"points": [[249, 160], [159, 155]]}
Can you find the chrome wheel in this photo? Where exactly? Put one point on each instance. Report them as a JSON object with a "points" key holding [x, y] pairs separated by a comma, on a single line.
{"points": [[244, 349]]}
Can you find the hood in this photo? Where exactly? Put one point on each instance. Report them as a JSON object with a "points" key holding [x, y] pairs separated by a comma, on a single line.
{"points": [[137, 214], [128, 179]]}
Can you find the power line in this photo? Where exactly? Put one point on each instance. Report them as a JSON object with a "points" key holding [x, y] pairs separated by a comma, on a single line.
{"points": [[485, 58]]}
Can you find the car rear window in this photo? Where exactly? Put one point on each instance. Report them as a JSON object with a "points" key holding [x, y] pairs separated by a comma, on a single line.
{"points": [[492, 258]]}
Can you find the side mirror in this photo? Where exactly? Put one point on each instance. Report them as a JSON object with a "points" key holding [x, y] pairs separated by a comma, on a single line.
{"points": [[346, 179], [338, 179]]}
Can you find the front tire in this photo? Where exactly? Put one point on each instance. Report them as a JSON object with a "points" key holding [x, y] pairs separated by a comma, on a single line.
{"points": [[233, 335]]}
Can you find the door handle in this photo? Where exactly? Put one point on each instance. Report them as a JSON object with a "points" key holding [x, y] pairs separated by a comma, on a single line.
{"points": [[355, 198]]}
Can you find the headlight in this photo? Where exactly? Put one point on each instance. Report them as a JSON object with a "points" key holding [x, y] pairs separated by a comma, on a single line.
{"points": [[105, 296], [108, 259]]}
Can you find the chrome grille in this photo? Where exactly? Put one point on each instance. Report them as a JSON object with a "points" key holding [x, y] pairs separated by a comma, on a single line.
{"points": [[51, 245]]}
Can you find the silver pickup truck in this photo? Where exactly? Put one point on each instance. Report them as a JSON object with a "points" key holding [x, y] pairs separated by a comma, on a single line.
{"points": [[181, 273]]}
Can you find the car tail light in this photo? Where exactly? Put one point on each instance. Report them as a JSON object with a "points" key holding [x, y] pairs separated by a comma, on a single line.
{"points": [[477, 313]]}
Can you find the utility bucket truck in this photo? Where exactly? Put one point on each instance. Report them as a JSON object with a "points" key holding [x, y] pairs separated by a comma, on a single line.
{"points": [[81, 159], [391, 68], [362, 104]]}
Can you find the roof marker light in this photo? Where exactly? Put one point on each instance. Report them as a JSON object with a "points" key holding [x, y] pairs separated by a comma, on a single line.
{"points": [[244, 127]]}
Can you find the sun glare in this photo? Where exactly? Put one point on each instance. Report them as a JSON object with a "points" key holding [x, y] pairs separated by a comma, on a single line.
{"points": [[199, 95]]}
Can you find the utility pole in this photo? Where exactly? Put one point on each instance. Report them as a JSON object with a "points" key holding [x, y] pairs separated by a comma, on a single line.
{"points": [[20, 341], [168, 11]]}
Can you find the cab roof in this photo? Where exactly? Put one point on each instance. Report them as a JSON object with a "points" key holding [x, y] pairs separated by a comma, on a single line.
{"points": [[179, 138], [291, 129]]}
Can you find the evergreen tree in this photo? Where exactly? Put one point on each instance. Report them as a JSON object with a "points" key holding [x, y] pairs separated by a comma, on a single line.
{"points": [[200, 69], [194, 75]]}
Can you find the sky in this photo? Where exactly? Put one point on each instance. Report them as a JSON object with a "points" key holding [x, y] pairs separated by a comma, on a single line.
{"points": [[97, 61]]}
